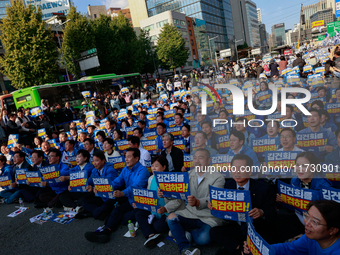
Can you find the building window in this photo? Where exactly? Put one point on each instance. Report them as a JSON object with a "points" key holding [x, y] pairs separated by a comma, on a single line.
{"points": [[176, 21], [162, 23], [192, 42], [189, 25], [193, 52], [182, 22], [95, 16], [150, 27], [190, 32], [153, 38]]}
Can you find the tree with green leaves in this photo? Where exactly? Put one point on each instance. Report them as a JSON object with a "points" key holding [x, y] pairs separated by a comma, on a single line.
{"points": [[78, 37], [30, 52], [171, 49], [148, 53]]}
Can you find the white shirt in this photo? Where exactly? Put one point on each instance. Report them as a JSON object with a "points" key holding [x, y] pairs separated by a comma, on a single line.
{"points": [[200, 178], [19, 166], [144, 156], [245, 186], [114, 154], [295, 149]]}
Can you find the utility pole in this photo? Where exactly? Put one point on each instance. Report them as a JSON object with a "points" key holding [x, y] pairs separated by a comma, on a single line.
{"points": [[299, 39]]}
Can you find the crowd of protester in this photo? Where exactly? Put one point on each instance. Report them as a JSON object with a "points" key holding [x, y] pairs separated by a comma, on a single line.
{"points": [[183, 135]]}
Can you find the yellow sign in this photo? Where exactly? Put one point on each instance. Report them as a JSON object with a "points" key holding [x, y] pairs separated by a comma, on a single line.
{"points": [[318, 23]]}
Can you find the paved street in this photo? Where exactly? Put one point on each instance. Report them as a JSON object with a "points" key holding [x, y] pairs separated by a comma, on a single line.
{"points": [[19, 236]]}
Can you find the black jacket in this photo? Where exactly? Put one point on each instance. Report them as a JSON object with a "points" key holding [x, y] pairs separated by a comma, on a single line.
{"points": [[12, 127], [299, 62], [177, 158]]}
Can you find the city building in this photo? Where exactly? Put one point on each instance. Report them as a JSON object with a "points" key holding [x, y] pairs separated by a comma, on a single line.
{"points": [[216, 14], [305, 35], [245, 21], [114, 12], [278, 34], [259, 16], [296, 27], [263, 38], [311, 9], [326, 15], [202, 42], [155, 23], [288, 40], [93, 12]]}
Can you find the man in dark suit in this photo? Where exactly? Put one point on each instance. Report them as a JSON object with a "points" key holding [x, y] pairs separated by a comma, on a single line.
{"points": [[173, 155], [89, 146], [232, 235]]}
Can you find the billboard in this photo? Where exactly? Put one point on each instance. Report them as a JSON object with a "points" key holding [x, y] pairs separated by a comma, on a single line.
{"points": [[337, 8], [280, 25], [49, 7], [318, 23]]}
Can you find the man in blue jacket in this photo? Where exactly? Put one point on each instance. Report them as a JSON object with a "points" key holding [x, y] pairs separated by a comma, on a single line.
{"points": [[98, 207], [51, 198], [237, 146], [322, 232], [133, 175]]}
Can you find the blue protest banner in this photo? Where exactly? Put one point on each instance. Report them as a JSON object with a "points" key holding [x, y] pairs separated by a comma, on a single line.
{"points": [[330, 194], [230, 204], [34, 178], [78, 181], [103, 187], [6, 181], [296, 199], [261, 145], [20, 175], [256, 244], [173, 184], [145, 199], [50, 174]]}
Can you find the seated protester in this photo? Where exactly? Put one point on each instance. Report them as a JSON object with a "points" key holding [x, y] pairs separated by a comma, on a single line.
{"points": [[90, 131], [196, 216], [37, 142], [100, 140], [334, 156], [74, 200], [142, 124], [152, 230], [179, 120], [81, 139], [83, 128], [224, 115], [6, 152], [314, 121], [110, 152], [117, 135], [134, 142], [201, 143], [160, 119], [321, 235], [322, 92], [273, 128], [62, 139], [142, 116], [110, 126], [133, 175], [74, 133], [8, 196], [233, 234], [212, 140], [89, 146], [326, 121], [186, 138], [236, 141], [46, 148], [69, 153], [139, 133], [289, 116], [193, 110], [161, 130], [288, 140], [241, 125], [97, 207], [174, 155], [51, 198], [317, 104], [55, 135], [32, 193], [292, 225]]}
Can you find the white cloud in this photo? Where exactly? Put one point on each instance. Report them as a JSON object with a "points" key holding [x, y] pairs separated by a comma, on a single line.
{"points": [[115, 3]]}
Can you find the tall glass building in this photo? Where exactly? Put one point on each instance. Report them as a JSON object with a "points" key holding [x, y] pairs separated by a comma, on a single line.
{"points": [[3, 5], [216, 14], [279, 34]]}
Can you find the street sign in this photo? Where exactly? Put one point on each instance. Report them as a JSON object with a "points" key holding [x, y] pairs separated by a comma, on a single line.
{"points": [[88, 52], [89, 63], [321, 37]]}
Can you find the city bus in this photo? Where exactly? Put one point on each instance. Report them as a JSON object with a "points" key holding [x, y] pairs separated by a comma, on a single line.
{"points": [[71, 91]]}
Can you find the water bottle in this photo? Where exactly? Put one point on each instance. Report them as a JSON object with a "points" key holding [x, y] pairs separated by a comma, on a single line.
{"points": [[131, 229], [21, 202]]}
